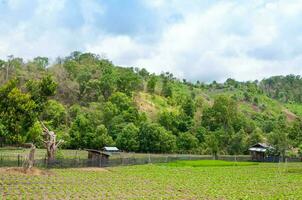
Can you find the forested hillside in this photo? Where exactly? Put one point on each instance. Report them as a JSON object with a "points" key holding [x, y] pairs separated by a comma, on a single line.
{"points": [[89, 102]]}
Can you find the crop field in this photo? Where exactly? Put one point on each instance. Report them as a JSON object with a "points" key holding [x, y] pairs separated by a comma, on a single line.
{"points": [[181, 180], [82, 154]]}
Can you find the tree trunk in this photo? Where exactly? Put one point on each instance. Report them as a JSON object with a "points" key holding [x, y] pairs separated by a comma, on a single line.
{"points": [[50, 143], [215, 155], [29, 162]]}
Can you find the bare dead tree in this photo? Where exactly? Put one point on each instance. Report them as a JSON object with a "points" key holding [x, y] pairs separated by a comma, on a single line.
{"points": [[50, 143], [30, 160]]}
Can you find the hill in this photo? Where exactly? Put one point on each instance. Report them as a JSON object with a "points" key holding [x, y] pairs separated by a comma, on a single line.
{"points": [[89, 102]]}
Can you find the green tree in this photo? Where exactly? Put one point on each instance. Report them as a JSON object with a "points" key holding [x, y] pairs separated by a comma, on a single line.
{"points": [[108, 83], [40, 91], [128, 139], [279, 140], [167, 90], [188, 107], [17, 112], [213, 142], [186, 141], [255, 137], [151, 84], [300, 150], [223, 114], [2, 63], [101, 138], [200, 134], [41, 62], [3, 133], [127, 81], [237, 143], [81, 132], [169, 120], [34, 134], [55, 113], [154, 138], [295, 133], [122, 101]]}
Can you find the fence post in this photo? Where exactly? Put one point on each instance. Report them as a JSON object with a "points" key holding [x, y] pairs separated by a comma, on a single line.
{"points": [[18, 160]]}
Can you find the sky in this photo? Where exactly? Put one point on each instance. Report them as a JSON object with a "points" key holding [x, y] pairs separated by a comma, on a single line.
{"points": [[194, 39]]}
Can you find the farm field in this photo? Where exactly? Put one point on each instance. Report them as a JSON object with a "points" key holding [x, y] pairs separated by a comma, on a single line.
{"points": [[183, 180]]}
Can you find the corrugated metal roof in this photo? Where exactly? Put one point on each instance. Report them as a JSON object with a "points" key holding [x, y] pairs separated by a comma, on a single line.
{"points": [[111, 149], [257, 149], [261, 145]]}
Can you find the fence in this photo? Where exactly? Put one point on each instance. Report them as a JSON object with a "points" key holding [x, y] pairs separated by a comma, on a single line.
{"points": [[120, 159]]}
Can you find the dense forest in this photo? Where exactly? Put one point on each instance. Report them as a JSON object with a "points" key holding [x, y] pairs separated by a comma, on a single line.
{"points": [[89, 102]]}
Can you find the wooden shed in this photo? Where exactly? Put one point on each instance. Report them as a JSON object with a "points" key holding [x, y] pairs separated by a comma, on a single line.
{"points": [[259, 152], [97, 158]]}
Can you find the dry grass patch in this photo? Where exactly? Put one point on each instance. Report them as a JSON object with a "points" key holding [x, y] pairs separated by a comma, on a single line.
{"points": [[21, 171]]}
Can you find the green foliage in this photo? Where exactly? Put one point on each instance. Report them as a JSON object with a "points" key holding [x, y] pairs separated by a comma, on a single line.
{"points": [[41, 62], [151, 84], [127, 140], [175, 122], [213, 142], [17, 112], [223, 114], [167, 90], [300, 150], [94, 103], [279, 140], [107, 82], [34, 134], [154, 138], [127, 81], [295, 133], [284, 88], [237, 143], [2, 63], [101, 138], [188, 107], [186, 141], [255, 137], [55, 113], [40, 90]]}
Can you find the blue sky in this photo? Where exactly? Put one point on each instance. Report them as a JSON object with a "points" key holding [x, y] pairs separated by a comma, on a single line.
{"points": [[193, 39]]}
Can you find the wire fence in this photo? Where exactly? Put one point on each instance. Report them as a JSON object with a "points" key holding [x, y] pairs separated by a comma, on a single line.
{"points": [[117, 159]]}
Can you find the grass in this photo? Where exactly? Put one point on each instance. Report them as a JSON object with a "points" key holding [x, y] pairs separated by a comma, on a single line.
{"points": [[40, 153], [207, 163], [263, 181], [295, 108]]}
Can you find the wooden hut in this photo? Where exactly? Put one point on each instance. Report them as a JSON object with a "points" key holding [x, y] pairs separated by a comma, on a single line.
{"points": [[259, 151], [97, 158]]}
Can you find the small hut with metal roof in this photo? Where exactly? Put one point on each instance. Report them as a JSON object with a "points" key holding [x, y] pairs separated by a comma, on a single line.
{"points": [[260, 152]]}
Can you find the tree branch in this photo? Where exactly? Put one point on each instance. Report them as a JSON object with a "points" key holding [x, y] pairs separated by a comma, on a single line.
{"points": [[60, 142]]}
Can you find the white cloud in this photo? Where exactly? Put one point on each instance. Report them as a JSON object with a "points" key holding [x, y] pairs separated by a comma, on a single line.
{"points": [[211, 45], [245, 40]]}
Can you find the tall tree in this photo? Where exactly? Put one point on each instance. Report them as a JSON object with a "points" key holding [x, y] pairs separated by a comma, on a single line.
{"points": [[17, 112]]}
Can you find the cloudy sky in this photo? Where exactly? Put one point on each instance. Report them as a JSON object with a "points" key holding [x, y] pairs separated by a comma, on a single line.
{"points": [[193, 39]]}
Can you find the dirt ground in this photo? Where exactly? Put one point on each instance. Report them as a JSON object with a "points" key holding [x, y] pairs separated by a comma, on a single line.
{"points": [[21, 171]]}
